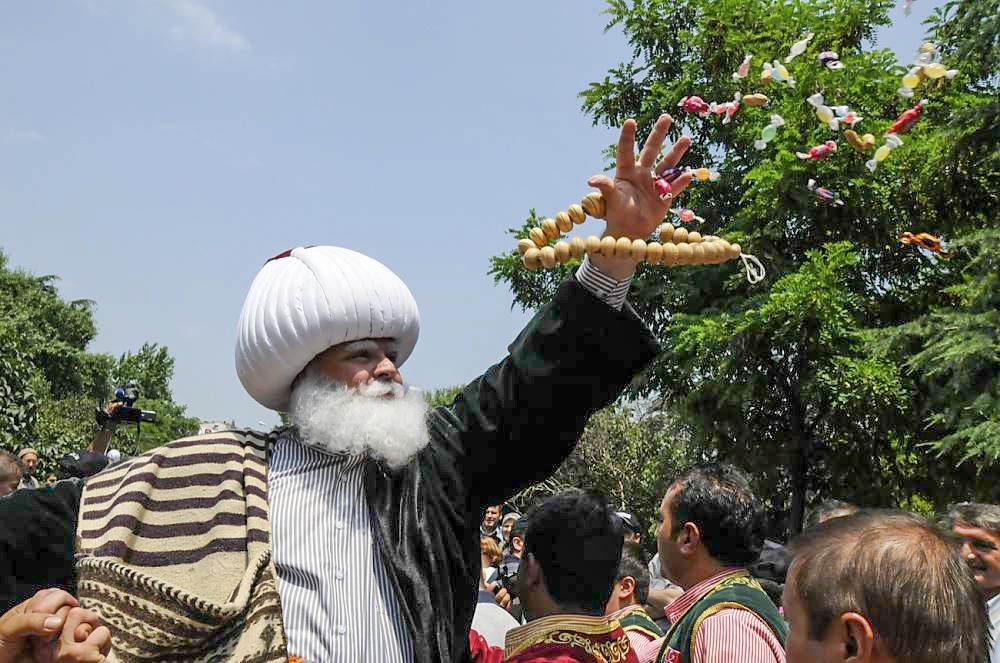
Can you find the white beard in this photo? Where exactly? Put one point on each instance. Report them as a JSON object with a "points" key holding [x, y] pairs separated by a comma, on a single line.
{"points": [[336, 419]]}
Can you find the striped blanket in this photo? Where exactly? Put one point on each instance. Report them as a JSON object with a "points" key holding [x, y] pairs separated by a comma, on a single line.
{"points": [[174, 553]]}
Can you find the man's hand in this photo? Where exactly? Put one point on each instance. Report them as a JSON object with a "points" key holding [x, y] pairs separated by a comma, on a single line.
{"points": [[42, 616], [83, 640], [503, 598], [634, 208]]}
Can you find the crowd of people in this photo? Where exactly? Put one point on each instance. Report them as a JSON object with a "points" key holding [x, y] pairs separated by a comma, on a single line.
{"points": [[351, 534]]}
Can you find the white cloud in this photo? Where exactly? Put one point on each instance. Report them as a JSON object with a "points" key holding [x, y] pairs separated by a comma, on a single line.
{"points": [[197, 24]]}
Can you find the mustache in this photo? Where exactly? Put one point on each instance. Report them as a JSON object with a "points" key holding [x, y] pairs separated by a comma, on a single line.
{"points": [[381, 388]]}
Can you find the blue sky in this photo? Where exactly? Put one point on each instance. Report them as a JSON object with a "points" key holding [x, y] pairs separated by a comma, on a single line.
{"points": [[153, 153]]}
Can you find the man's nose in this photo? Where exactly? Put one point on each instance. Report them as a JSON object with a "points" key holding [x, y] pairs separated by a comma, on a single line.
{"points": [[385, 370]]}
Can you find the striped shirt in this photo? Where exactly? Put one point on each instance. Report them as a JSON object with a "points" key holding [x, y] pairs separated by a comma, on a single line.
{"points": [[607, 289], [728, 636], [337, 600]]}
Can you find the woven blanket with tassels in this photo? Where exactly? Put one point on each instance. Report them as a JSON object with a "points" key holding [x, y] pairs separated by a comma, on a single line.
{"points": [[174, 553]]}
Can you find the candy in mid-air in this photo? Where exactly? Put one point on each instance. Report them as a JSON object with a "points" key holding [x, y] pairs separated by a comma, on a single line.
{"points": [[830, 59], [726, 109], [833, 116], [744, 68], [819, 151], [892, 141], [860, 143], [908, 8], [799, 47], [755, 100], [925, 241], [671, 174], [694, 105], [768, 133], [926, 65], [705, 174], [823, 194], [907, 119], [776, 72], [686, 215]]}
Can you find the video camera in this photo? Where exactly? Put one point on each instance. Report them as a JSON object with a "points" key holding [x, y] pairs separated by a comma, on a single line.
{"points": [[127, 396], [506, 577]]}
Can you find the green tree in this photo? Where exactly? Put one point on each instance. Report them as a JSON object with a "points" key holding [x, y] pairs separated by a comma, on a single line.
{"points": [[781, 377], [442, 396]]}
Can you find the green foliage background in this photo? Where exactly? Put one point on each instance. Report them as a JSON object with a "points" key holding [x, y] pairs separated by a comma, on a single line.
{"points": [[858, 369]]}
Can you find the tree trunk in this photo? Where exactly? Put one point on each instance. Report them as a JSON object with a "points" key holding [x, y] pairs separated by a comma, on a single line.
{"points": [[800, 484]]}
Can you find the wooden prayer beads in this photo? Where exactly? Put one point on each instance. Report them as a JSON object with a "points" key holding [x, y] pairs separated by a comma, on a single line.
{"points": [[677, 246]]}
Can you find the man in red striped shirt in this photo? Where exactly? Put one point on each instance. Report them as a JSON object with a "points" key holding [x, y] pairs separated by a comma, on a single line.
{"points": [[711, 529]]}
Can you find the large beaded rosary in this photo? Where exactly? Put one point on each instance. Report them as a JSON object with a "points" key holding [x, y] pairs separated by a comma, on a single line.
{"points": [[677, 246]]}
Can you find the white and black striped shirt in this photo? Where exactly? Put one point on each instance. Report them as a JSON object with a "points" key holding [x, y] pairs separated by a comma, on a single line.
{"points": [[337, 601]]}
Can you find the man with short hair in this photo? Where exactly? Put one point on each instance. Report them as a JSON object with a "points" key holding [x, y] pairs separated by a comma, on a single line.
{"points": [[826, 510], [29, 461], [881, 587], [490, 526], [711, 529], [628, 597], [10, 473], [977, 529], [573, 548]]}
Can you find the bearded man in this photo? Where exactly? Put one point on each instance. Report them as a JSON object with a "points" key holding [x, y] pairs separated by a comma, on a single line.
{"points": [[354, 534]]}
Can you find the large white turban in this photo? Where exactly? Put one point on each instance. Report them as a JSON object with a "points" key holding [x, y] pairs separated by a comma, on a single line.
{"points": [[309, 299]]}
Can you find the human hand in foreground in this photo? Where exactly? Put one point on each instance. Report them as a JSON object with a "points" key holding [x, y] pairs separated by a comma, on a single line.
{"points": [[54, 628], [634, 207]]}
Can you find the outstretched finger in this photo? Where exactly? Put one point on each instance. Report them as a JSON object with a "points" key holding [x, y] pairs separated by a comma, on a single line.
{"points": [[625, 157], [604, 184], [674, 156], [677, 186], [655, 141]]}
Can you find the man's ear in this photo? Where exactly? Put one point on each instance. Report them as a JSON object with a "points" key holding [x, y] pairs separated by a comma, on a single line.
{"points": [[625, 587], [530, 571], [689, 538], [857, 637]]}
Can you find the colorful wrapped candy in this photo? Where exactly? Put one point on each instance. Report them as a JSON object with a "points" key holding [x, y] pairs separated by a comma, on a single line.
{"points": [[686, 215], [694, 105], [823, 194], [755, 100], [892, 141], [925, 241], [768, 133], [830, 60], [744, 68], [832, 116], [926, 65], [776, 72], [726, 109], [819, 151], [907, 119], [860, 143], [799, 47], [663, 188]]}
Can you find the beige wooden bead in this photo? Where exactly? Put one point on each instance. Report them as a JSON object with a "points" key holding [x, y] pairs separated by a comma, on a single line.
{"points": [[698, 256], [654, 253], [550, 228], [667, 232], [669, 254], [734, 251], [680, 236], [538, 237], [563, 221], [594, 205], [562, 251], [532, 258], [548, 257], [623, 247], [684, 254], [712, 252], [694, 237], [593, 244], [608, 247], [523, 245], [577, 247], [638, 251], [576, 214]]}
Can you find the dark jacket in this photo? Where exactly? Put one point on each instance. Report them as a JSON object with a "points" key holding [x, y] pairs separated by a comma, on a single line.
{"points": [[524, 416]]}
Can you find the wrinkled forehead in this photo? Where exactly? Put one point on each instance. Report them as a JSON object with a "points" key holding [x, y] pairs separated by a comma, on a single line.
{"points": [[384, 344], [966, 531]]}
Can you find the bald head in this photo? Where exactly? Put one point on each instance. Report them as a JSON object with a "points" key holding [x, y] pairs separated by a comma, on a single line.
{"points": [[897, 573]]}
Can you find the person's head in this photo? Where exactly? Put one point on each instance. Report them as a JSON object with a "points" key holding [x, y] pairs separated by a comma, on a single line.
{"points": [[10, 473], [632, 527], [489, 551], [515, 543], [507, 523], [29, 460], [881, 586], [573, 546], [492, 516], [977, 530], [322, 335], [51, 479], [632, 583], [709, 519], [826, 510]]}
